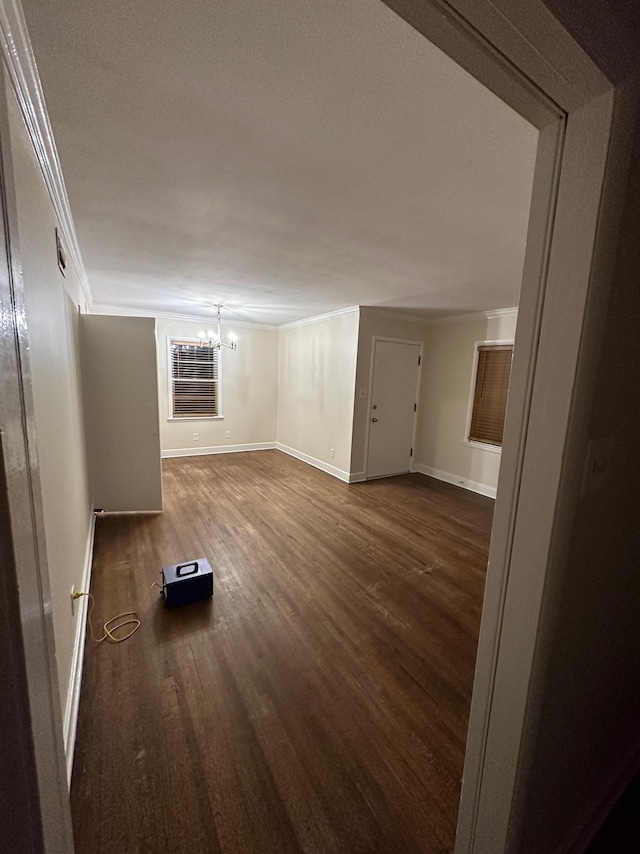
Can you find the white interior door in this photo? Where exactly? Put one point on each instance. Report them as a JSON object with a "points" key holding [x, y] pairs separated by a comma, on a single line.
{"points": [[394, 391]]}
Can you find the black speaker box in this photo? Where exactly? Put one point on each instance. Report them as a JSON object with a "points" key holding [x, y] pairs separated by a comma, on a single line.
{"points": [[187, 582]]}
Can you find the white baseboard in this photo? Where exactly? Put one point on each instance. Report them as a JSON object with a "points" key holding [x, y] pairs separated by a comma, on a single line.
{"points": [[266, 446], [75, 681], [456, 480], [312, 461], [218, 449]]}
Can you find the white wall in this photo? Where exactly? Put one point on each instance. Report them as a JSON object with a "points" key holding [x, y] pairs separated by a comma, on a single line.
{"points": [[249, 391], [441, 449], [316, 387], [121, 412], [52, 318], [382, 323]]}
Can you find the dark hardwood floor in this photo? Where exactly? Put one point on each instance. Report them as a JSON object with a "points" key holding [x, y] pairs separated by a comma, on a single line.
{"points": [[319, 702]]}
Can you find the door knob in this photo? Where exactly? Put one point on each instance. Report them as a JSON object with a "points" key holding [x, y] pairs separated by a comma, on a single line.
{"points": [[374, 419]]}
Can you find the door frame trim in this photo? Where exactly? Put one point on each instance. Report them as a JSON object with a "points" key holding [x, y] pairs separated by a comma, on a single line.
{"points": [[525, 56], [36, 640], [374, 340]]}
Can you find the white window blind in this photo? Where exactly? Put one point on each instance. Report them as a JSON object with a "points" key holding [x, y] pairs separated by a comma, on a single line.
{"points": [[194, 380], [490, 393]]}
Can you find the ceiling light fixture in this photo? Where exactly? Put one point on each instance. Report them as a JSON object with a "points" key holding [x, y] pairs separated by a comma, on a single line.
{"points": [[214, 339]]}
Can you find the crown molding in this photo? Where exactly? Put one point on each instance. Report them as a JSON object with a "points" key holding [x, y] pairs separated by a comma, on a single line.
{"points": [[121, 310], [467, 317], [389, 313], [130, 311], [401, 314], [318, 318], [371, 311], [501, 312], [457, 318], [23, 73], [491, 314]]}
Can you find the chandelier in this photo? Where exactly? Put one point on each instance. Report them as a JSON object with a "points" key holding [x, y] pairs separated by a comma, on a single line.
{"points": [[214, 339]]}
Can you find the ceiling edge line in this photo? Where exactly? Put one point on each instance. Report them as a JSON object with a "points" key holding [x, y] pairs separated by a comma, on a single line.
{"points": [[491, 314], [104, 308], [390, 313], [318, 318]]}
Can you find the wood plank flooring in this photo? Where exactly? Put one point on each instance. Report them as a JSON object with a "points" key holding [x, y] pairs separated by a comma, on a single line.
{"points": [[319, 702]]}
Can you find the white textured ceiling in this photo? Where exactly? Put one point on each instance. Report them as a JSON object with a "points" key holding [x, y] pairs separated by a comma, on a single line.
{"points": [[284, 157]]}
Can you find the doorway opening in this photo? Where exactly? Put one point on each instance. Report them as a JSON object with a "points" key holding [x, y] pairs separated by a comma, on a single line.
{"points": [[539, 479], [533, 482]]}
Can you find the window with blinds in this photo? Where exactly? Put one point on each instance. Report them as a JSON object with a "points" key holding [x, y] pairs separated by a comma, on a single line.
{"points": [[194, 380], [490, 393]]}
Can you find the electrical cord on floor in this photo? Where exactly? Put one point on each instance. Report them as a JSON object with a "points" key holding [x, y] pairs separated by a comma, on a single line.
{"points": [[127, 618]]}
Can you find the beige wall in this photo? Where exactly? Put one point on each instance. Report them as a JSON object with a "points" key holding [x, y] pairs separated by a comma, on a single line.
{"points": [[316, 386], [119, 375], [444, 399], [382, 323], [52, 318], [249, 390]]}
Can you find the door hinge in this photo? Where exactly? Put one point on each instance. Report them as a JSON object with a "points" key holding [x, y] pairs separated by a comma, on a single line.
{"points": [[419, 360], [411, 453], [415, 407]]}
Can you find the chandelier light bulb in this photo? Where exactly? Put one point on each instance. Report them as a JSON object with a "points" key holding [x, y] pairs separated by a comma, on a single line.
{"points": [[214, 339]]}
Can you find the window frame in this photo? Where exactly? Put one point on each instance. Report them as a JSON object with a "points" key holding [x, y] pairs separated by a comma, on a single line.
{"points": [[481, 446], [170, 416]]}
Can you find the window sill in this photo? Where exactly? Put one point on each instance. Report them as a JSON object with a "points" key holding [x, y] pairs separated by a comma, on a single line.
{"points": [[205, 418], [481, 446]]}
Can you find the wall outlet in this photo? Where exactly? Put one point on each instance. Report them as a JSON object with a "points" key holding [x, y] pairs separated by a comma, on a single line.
{"points": [[228, 434], [333, 453], [73, 601], [195, 437]]}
